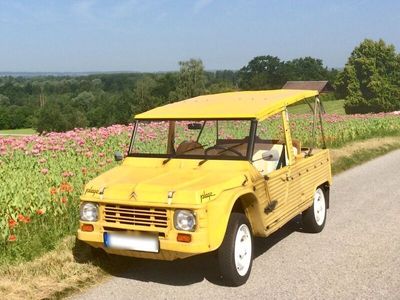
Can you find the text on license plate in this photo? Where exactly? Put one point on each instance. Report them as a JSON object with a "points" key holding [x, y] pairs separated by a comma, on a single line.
{"points": [[146, 243]]}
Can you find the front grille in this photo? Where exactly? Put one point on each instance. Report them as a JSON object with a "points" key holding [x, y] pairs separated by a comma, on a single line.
{"points": [[136, 216]]}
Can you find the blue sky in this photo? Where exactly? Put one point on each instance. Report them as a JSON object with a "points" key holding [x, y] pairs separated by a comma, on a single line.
{"points": [[147, 35]]}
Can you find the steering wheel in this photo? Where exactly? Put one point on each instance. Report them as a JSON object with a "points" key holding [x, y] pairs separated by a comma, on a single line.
{"points": [[223, 148]]}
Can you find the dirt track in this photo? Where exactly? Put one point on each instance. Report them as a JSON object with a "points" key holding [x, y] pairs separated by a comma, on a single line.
{"points": [[356, 256]]}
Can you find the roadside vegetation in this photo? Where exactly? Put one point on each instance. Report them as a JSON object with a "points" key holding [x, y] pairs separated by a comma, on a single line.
{"points": [[52, 276], [357, 153]]}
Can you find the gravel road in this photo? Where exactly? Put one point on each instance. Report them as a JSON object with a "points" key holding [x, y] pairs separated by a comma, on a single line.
{"points": [[357, 256]]}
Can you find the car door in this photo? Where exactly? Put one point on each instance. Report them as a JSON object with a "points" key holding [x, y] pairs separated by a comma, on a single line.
{"points": [[296, 170], [278, 183], [286, 187], [277, 188], [295, 188]]}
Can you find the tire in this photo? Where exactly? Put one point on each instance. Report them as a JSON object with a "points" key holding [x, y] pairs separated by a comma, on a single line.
{"points": [[235, 255], [314, 217]]}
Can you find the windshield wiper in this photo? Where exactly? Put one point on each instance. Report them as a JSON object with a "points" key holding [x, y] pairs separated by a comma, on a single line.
{"points": [[202, 161], [167, 160]]}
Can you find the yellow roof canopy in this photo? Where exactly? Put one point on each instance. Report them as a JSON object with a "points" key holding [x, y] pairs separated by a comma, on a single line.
{"points": [[234, 105]]}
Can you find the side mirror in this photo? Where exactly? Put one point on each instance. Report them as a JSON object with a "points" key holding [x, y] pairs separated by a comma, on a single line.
{"points": [[267, 156], [195, 126], [118, 156]]}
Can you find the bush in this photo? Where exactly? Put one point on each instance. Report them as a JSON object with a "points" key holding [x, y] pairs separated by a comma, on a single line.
{"points": [[370, 81]]}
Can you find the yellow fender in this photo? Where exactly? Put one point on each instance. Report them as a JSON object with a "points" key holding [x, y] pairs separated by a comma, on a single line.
{"points": [[218, 219]]}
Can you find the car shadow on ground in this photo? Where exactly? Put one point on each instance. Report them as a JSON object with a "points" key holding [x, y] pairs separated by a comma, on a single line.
{"points": [[190, 270]]}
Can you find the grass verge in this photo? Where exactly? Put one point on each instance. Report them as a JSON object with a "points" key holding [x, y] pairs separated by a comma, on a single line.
{"points": [[50, 276], [22, 131], [359, 152], [56, 274]]}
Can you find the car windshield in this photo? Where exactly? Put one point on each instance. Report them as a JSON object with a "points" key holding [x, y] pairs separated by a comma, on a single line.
{"points": [[202, 139]]}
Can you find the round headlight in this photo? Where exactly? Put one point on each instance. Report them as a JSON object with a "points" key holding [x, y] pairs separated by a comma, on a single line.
{"points": [[89, 212], [184, 220]]}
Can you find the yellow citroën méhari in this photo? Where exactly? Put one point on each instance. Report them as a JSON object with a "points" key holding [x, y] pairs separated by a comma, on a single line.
{"points": [[208, 174]]}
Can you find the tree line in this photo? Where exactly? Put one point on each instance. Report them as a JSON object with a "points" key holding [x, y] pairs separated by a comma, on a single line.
{"points": [[369, 82], [54, 103]]}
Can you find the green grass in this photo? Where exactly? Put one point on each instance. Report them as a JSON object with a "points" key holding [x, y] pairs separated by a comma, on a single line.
{"points": [[361, 156], [331, 107], [39, 236], [19, 131]]}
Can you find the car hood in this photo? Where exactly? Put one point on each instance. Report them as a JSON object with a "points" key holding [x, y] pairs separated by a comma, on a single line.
{"points": [[177, 182]]}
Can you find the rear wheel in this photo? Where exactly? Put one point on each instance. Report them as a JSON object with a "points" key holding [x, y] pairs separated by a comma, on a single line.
{"points": [[315, 216], [235, 256]]}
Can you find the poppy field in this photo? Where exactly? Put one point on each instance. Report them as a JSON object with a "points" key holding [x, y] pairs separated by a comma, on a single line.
{"points": [[43, 176]]}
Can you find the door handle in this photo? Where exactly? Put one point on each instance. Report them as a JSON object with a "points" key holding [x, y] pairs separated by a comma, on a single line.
{"points": [[288, 178], [270, 207]]}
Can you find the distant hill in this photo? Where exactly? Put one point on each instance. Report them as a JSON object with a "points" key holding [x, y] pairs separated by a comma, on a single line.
{"points": [[58, 74]]}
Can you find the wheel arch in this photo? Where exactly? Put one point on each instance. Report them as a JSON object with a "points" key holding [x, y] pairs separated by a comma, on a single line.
{"points": [[326, 189], [249, 204], [246, 203]]}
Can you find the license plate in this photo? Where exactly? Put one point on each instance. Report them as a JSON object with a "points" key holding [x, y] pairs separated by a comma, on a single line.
{"points": [[146, 243]]}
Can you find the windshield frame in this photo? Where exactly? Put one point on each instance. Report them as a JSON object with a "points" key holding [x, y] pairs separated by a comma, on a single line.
{"points": [[247, 157]]}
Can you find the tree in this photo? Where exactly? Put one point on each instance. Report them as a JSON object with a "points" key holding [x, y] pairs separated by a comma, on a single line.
{"points": [[262, 73], [269, 72], [4, 118], [191, 80], [4, 100], [50, 118], [58, 115], [17, 115], [97, 84], [165, 85], [305, 68], [83, 101], [221, 87], [144, 94], [75, 119], [370, 81]]}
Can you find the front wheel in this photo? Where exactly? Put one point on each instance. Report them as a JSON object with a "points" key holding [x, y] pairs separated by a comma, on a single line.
{"points": [[315, 216], [235, 255]]}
